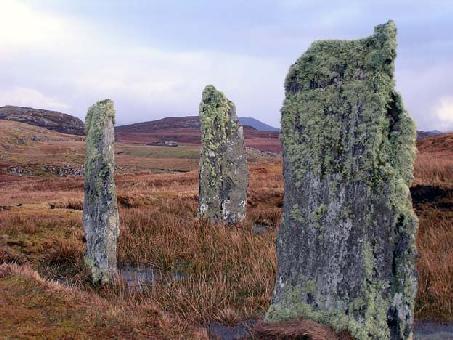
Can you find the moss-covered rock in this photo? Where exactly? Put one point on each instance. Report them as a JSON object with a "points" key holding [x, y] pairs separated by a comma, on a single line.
{"points": [[223, 162], [100, 211], [346, 248]]}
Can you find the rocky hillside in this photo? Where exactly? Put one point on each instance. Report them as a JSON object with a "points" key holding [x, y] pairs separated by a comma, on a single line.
{"points": [[51, 120], [32, 150]]}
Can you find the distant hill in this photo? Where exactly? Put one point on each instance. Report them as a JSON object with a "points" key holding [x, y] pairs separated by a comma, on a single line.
{"points": [[425, 134], [51, 120], [191, 122], [437, 143], [186, 130], [257, 124], [27, 149]]}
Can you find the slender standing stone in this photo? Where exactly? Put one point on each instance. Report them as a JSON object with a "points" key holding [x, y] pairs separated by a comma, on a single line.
{"points": [[223, 163], [346, 248], [100, 211]]}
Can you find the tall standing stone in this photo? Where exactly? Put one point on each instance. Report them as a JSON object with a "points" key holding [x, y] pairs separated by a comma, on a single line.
{"points": [[100, 211], [223, 163], [346, 248]]}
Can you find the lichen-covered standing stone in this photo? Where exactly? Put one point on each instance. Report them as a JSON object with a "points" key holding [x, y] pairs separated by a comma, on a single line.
{"points": [[223, 162], [100, 210], [346, 248]]}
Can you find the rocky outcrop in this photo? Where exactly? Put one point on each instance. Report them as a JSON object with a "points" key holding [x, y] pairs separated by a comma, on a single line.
{"points": [[100, 210], [223, 164], [44, 170], [51, 120], [346, 248]]}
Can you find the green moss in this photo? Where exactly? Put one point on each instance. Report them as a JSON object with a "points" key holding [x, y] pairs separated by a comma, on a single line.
{"points": [[310, 287], [215, 109], [95, 122], [320, 211], [296, 214], [313, 101], [292, 307], [375, 326]]}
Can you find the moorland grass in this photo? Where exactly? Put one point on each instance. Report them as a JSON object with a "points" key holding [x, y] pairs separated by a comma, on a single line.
{"points": [[227, 272]]}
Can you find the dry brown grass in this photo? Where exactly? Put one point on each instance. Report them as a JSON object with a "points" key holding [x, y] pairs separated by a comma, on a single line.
{"points": [[435, 263], [434, 175], [228, 272], [434, 169], [34, 307], [434, 207], [434, 164]]}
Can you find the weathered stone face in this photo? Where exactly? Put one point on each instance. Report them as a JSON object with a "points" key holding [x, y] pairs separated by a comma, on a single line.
{"points": [[346, 248], [100, 211], [223, 163]]}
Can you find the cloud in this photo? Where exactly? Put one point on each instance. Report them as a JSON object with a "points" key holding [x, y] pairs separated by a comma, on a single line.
{"points": [[29, 97], [81, 63], [23, 27], [154, 58], [148, 83], [422, 85], [444, 111]]}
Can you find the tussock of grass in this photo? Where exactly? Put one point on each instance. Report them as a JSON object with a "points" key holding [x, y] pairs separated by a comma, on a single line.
{"points": [[33, 306], [228, 272], [435, 265], [434, 169]]}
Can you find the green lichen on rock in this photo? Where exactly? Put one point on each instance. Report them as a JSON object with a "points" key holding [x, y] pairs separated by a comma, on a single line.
{"points": [[100, 210], [346, 248], [223, 163]]}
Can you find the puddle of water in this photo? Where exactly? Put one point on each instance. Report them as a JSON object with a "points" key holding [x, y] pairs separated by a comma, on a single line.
{"points": [[138, 278], [218, 331]]}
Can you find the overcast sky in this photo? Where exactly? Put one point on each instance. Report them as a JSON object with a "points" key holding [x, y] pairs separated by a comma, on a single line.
{"points": [[153, 58]]}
